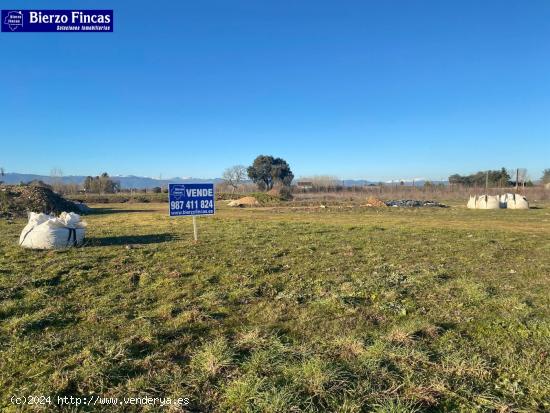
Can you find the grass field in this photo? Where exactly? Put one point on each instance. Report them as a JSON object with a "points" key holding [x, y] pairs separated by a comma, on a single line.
{"points": [[285, 310]]}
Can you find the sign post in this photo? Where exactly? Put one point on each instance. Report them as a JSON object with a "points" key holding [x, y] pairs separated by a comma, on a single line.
{"points": [[191, 200], [195, 231]]}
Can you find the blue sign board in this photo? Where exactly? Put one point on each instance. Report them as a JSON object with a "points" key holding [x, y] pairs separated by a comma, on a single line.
{"points": [[68, 21], [191, 199]]}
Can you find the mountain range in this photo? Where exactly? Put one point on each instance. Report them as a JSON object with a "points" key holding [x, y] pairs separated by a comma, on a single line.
{"points": [[127, 182], [140, 182]]}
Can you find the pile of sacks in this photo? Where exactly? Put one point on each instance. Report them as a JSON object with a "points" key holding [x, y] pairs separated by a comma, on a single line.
{"points": [[45, 231], [510, 201]]}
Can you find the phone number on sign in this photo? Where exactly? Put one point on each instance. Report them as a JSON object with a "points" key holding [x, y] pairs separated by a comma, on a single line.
{"points": [[202, 204]]}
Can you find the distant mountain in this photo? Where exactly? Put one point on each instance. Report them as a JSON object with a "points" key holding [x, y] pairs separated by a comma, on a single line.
{"points": [[416, 182], [140, 182], [406, 182], [357, 182], [126, 182]]}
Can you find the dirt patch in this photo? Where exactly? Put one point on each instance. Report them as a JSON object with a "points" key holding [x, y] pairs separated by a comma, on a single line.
{"points": [[373, 201], [244, 202], [16, 201]]}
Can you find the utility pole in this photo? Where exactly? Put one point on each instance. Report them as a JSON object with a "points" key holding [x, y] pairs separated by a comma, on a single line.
{"points": [[487, 182], [517, 179]]}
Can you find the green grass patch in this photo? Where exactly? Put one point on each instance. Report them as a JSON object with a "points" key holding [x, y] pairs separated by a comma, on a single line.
{"points": [[281, 309]]}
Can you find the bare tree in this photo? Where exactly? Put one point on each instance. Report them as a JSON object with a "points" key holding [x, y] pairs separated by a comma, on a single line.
{"points": [[323, 183], [522, 175], [234, 176], [56, 175]]}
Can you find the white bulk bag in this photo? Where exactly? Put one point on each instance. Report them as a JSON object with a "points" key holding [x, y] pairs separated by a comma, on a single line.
{"points": [[472, 202], [488, 202], [503, 200], [48, 232], [515, 201]]}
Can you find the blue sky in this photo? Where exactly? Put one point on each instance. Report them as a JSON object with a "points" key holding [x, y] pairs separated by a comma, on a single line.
{"points": [[356, 89]]}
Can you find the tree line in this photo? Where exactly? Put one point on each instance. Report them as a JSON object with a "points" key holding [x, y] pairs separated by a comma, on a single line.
{"points": [[102, 184], [495, 178]]}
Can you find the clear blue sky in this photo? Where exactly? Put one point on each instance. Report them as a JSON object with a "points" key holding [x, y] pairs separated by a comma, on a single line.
{"points": [[356, 89]]}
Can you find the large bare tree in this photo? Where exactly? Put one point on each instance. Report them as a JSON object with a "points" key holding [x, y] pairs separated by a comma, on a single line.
{"points": [[234, 176]]}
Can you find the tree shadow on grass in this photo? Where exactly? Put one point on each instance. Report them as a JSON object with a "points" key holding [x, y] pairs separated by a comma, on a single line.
{"points": [[129, 240]]}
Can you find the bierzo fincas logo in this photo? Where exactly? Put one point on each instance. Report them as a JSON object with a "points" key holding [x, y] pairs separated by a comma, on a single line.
{"points": [[14, 20], [57, 21]]}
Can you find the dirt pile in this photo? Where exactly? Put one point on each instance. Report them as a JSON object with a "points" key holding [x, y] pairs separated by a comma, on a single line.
{"points": [[372, 201], [16, 201], [244, 202]]}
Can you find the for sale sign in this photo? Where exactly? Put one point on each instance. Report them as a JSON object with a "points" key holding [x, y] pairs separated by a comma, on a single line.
{"points": [[191, 199]]}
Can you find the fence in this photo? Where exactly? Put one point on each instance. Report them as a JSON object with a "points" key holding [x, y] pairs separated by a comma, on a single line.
{"points": [[435, 192]]}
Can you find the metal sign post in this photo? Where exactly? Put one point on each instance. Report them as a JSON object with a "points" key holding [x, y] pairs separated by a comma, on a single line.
{"points": [[191, 200]]}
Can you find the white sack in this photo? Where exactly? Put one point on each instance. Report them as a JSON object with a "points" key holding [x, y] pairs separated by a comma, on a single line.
{"points": [[488, 202], [47, 232], [472, 202], [514, 201]]}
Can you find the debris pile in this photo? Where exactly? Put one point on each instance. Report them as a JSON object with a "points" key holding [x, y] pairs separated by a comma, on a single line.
{"points": [[18, 200], [414, 203], [244, 202], [372, 201]]}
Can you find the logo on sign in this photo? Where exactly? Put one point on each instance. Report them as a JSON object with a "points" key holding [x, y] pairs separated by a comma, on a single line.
{"points": [[14, 20], [57, 20]]}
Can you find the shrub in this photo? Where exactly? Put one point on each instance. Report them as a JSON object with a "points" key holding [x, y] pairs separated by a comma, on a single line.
{"points": [[285, 193]]}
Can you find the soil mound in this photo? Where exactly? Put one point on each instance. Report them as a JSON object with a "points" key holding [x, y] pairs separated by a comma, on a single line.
{"points": [[17, 201], [243, 202], [372, 201]]}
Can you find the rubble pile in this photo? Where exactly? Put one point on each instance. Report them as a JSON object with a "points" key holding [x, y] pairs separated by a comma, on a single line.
{"points": [[244, 202], [415, 203], [18, 200], [373, 201]]}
